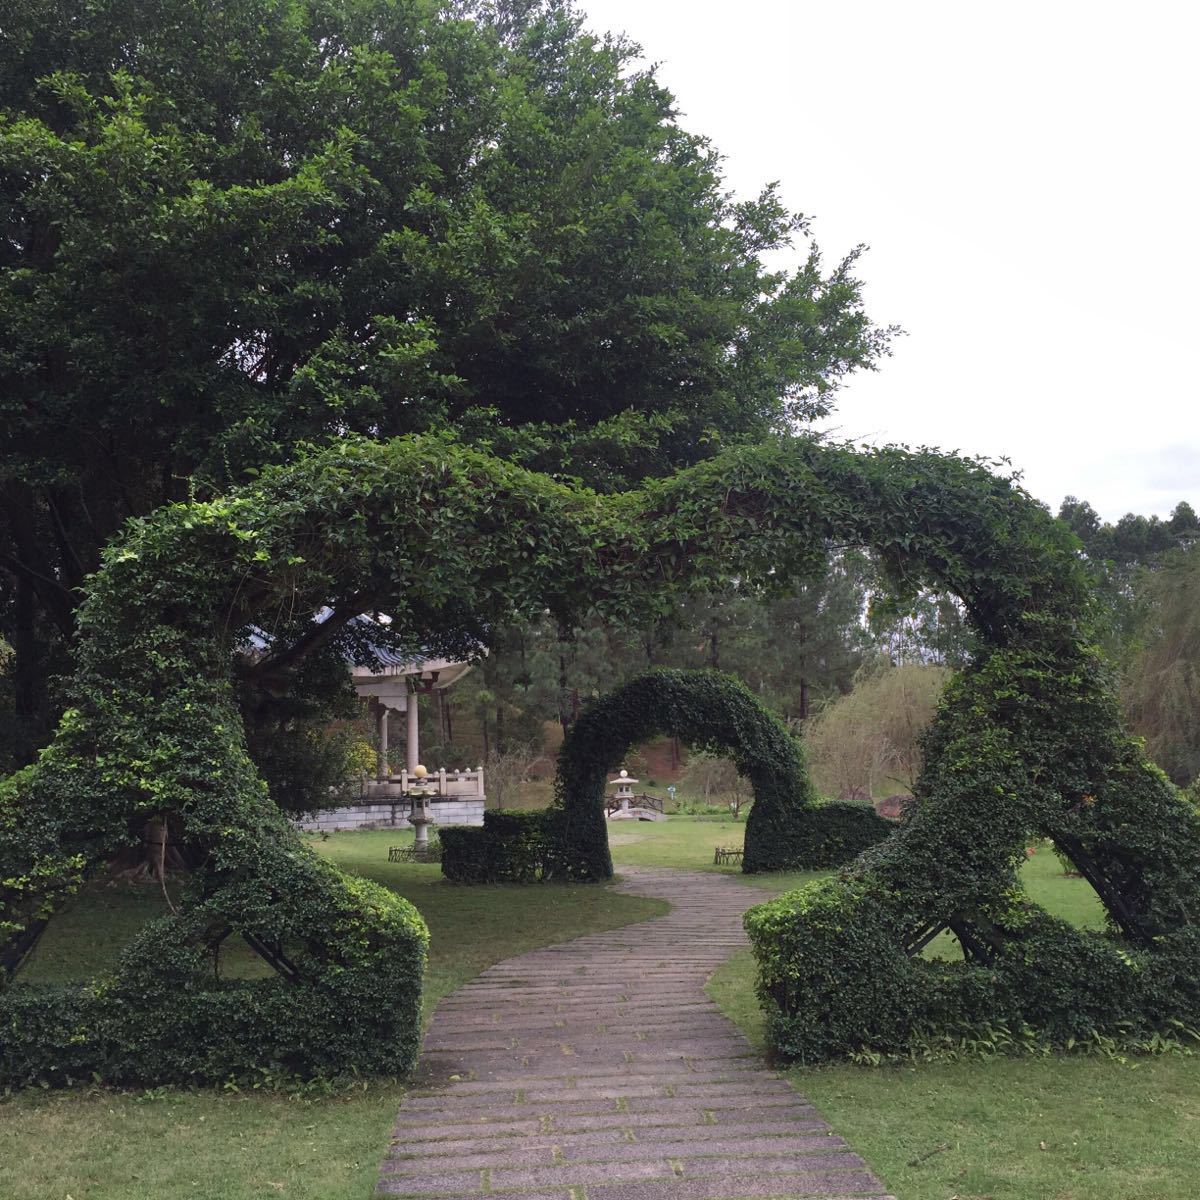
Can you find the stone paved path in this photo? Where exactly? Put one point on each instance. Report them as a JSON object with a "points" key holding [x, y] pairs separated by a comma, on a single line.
{"points": [[599, 1070]]}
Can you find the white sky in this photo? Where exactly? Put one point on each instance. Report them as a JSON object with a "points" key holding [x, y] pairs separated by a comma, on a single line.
{"points": [[1026, 177]]}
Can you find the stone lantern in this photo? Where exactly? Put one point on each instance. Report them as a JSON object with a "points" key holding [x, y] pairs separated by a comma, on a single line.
{"points": [[624, 785], [419, 817]]}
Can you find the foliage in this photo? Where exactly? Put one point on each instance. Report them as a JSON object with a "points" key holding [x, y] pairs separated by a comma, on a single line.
{"points": [[985, 1124], [1161, 686], [706, 709], [1042, 739], [793, 651], [703, 708], [834, 832], [1118, 555], [506, 771], [713, 775], [511, 847], [306, 765], [362, 758], [320, 1142], [1028, 742], [870, 739], [234, 228]]}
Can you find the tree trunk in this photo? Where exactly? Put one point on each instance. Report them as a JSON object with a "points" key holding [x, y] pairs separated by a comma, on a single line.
{"points": [[564, 708]]}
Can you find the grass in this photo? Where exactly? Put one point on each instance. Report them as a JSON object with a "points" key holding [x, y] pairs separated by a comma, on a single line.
{"points": [[1070, 1128], [683, 842], [99, 1144]]}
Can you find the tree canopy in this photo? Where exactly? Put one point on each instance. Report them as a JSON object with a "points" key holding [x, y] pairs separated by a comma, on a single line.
{"points": [[230, 229]]}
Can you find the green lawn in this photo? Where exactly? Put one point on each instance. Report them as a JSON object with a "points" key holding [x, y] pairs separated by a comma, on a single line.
{"points": [[1061, 1128], [684, 842], [1025, 1129]]}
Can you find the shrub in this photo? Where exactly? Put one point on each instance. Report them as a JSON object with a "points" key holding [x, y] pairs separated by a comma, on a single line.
{"points": [[871, 737], [512, 846], [836, 831], [1027, 743]]}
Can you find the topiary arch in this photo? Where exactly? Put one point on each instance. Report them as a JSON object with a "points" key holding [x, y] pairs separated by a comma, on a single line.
{"points": [[715, 712], [1029, 743]]}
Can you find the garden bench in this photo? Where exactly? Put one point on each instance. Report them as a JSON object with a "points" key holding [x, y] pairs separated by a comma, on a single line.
{"points": [[723, 855]]}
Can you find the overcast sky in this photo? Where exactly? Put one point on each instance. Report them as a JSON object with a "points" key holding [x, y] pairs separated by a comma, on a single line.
{"points": [[1025, 175]]}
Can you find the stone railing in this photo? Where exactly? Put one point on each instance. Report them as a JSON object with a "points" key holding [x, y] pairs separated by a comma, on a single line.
{"points": [[442, 784], [454, 798]]}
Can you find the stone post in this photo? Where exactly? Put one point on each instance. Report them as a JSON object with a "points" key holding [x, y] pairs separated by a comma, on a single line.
{"points": [[412, 752], [382, 761]]}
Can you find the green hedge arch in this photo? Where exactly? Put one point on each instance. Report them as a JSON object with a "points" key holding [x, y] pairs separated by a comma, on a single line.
{"points": [[712, 711], [450, 541]]}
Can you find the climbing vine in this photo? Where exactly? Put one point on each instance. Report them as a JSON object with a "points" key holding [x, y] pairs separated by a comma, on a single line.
{"points": [[1028, 742]]}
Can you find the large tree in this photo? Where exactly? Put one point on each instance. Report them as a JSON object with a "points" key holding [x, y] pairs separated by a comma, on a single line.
{"points": [[229, 228], [1119, 554]]}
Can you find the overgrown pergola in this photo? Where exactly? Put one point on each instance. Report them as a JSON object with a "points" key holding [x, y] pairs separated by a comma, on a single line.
{"points": [[1029, 742]]}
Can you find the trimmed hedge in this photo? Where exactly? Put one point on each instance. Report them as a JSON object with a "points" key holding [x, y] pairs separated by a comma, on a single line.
{"points": [[1024, 746], [1029, 742], [528, 847], [511, 847], [715, 712], [833, 832]]}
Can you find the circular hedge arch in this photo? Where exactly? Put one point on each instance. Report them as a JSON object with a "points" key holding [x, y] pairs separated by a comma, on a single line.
{"points": [[450, 541], [715, 712]]}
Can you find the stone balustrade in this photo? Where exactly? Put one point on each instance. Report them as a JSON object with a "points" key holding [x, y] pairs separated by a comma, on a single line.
{"points": [[454, 798]]}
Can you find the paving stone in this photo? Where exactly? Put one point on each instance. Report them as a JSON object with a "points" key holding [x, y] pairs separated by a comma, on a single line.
{"points": [[599, 1070], [832, 1160], [763, 1129], [691, 1148], [574, 1174], [474, 1160], [820, 1185], [440, 1183]]}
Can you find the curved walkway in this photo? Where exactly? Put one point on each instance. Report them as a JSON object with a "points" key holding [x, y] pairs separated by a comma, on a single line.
{"points": [[598, 1069]]}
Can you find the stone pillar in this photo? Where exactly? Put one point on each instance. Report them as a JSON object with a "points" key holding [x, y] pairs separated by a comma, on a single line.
{"points": [[412, 753], [382, 761]]}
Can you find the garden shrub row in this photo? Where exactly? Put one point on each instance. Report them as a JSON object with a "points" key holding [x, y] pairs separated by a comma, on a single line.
{"points": [[1028, 743], [513, 846], [833, 832], [510, 847]]}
